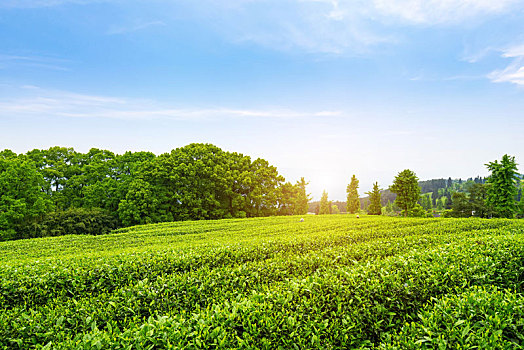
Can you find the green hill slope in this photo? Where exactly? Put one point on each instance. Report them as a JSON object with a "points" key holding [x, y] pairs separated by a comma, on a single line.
{"points": [[328, 282]]}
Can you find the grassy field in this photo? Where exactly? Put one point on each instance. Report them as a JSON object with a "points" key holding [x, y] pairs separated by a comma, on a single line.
{"points": [[328, 282]]}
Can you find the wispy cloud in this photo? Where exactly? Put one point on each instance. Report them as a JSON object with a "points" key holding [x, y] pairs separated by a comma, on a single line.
{"points": [[314, 26], [51, 103], [478, 55], [349, 27], [9, 61], [139, 25], [514, 72], [440, 11], [339, 27], [514, 51], [43, 3]]}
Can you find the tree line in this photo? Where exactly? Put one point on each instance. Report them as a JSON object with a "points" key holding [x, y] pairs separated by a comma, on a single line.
{"points": [[59, 190], [499, 195]]}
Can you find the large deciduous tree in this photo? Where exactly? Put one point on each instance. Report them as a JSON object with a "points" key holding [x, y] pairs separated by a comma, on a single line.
{"points": [[293, 199], [287, 199], [23, 197], [263, 192], [461, 207], [477, 197], [502, 187], [353, 202], [57, 165], [201, 181], [407, 189], [375, 207]]}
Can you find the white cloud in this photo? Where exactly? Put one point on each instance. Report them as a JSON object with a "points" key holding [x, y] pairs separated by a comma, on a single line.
{"points": [[440, 11], [514, 72], [39, 102], [514, 51]]}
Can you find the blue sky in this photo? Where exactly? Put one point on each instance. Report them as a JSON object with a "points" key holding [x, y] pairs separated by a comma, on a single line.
{"points": [[321, 89]]}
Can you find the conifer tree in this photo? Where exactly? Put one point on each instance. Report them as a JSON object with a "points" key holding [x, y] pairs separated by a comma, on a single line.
{"points": [[324, 204], [502, 189], [353, 202], [303, 197], [375, 207], [407, 189]]}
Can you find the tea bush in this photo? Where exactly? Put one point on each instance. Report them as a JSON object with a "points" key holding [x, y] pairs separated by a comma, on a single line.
{"points": [[328, 282]]}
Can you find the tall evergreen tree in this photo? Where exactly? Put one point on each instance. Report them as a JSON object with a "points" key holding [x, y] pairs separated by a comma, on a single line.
{"points": [[502, 189], [375, 207], [303, 197], [407, 189], [324, 204], [353, 202]]}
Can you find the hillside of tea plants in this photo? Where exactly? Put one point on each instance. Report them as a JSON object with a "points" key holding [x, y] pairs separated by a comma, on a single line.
{"points": [[329, 282]]}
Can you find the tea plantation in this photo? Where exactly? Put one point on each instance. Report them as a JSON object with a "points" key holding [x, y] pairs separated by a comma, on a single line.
{"points": [[330, 282]]}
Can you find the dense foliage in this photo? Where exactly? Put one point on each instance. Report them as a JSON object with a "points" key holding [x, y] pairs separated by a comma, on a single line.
{"points": [[73, 221], [407, 189], [198, 181], [471, 202], [22, 197], [328, 282]]}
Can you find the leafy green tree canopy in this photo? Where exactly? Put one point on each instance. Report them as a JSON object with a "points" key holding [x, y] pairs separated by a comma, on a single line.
{"points": [[23, 196]]}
